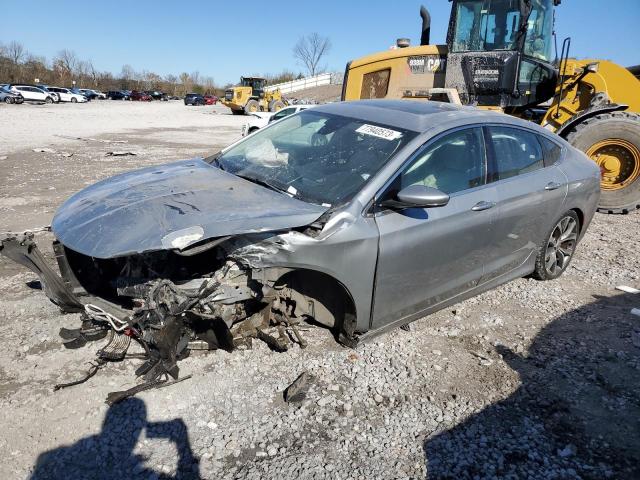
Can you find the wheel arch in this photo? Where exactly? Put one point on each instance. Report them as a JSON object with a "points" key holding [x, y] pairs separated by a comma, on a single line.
{"points": [[573, 122], [331, 294]]}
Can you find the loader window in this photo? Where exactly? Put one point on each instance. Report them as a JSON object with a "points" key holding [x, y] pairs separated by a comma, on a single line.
{"points": [[538, 42], [375, 84], [486, 25]]}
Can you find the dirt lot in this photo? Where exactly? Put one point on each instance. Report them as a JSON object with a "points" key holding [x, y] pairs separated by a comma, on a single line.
{"points": [[532, 380]]}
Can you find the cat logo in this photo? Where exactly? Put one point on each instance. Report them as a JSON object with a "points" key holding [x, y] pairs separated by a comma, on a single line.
{"points": [[426, 64]]}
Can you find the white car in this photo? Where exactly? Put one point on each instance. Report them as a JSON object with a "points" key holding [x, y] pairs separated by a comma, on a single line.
{"points": [[67, 95], [258, 120], [31, 93]]}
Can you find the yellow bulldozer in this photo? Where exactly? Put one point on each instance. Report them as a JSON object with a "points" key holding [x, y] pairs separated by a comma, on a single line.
{"points": [[500, 55], [251, 95]]}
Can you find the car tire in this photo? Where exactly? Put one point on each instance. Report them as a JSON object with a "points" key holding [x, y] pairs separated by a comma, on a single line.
{"points": [[555, 253], [74, 100], [622, 130], [48, 100]]}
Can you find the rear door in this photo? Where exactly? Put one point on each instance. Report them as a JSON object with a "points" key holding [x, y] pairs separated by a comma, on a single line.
{"points": [[428, 255], [530, 196]]}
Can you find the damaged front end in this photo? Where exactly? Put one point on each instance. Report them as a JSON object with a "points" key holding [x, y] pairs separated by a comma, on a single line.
{"points": [[211, 295]]}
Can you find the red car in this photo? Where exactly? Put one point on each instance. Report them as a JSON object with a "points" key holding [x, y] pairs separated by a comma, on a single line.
{"points": [[210, 99], [140, 96]]}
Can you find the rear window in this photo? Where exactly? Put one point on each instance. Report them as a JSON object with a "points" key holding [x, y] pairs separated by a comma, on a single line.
{"points": [[516, 152], [552, 151]]}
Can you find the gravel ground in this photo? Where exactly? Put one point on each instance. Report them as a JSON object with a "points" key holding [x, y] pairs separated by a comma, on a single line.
{"points": [[531, 380]]}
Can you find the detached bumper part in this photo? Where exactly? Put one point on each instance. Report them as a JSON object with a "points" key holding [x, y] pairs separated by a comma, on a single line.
{"points": [[22, 249]]}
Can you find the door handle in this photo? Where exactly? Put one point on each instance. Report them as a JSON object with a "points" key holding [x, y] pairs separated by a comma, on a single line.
{"points": [[552, 186], [478, 207]]}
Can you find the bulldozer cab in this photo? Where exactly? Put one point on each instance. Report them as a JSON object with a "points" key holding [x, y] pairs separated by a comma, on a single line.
{"points": [[500, 52], [257, 85]]}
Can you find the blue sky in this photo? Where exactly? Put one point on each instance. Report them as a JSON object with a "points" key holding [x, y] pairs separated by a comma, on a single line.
{"points": [[221, 40]]}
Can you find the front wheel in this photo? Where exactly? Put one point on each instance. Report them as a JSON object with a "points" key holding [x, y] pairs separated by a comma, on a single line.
{"points": [[74, 100], [251, 106], [612, 140], [8, 100], [555, 254], [48, 100]]}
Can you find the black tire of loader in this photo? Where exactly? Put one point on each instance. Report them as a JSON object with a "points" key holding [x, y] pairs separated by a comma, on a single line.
{"points": [[623, 125]]}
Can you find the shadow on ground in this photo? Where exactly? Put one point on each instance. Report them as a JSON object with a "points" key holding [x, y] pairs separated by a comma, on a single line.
{"points": [[576, 414], [110, 453]]}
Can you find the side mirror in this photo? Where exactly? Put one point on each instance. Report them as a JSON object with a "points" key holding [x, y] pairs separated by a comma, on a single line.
{"points": [[418, 196]]}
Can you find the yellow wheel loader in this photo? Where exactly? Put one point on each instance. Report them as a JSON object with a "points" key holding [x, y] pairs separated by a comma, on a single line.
{"points": [[499, 56], [252, 96]]}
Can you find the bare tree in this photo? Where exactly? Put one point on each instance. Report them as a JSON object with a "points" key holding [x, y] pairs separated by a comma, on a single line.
{"points": [[16, 52], [310, 49], [68, 60], [187, 83]]}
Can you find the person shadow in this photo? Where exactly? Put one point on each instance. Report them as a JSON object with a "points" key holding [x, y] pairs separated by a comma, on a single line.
{"points": [[110, 454], [576, 414]]}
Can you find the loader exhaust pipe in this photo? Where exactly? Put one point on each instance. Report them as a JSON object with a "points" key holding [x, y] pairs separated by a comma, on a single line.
{"points": [[426, 25]]}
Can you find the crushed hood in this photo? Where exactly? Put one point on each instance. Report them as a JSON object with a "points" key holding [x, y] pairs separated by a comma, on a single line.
{"points": [[172, 206]]}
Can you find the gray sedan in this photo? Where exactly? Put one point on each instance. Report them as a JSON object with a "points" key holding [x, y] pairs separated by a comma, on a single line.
{"points": [[361, 216]]}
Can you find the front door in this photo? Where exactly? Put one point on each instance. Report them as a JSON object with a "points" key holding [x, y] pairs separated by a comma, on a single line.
{"points": [[428, 255]]}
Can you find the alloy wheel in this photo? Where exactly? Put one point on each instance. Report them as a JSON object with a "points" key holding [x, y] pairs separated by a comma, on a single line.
{"points": [[561, 245]]}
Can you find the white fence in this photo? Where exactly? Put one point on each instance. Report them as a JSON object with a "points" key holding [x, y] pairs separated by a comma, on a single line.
{"points": [[309, 82]]}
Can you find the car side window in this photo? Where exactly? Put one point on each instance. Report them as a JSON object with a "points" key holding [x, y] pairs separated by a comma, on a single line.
{"points": [[453, 163], [552, 151], [516, 152], [283, 113]]}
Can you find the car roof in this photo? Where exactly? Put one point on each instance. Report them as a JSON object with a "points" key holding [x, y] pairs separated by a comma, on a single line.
{"points": [[416, 116]]}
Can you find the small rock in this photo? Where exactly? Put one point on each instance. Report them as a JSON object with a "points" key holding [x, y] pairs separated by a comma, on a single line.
{"points": [[297, 391], [324, 401], [378, 398]]}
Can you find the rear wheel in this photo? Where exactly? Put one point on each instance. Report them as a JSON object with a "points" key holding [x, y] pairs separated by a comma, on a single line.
{"points": [[252, 106], [612, 140], [556, 252], [8, 100]]}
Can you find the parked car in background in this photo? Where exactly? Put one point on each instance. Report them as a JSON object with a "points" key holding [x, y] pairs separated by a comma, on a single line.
{"points": [[140, 96], [31, 93], [54, 95], [7, 96], [210, 99], [194, 99], [92, 94], [67, 95], [117, 95], [156, 94], [257, 120]]}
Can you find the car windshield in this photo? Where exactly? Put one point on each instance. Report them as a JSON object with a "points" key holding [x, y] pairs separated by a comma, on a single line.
{"points": [[316, 157]]}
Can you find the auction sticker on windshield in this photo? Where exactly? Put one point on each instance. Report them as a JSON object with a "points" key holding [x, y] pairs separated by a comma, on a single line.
{"points": [[379, 132]]}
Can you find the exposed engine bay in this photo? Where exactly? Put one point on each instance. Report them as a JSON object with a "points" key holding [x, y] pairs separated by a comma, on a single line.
{"points": [[206, 297]]}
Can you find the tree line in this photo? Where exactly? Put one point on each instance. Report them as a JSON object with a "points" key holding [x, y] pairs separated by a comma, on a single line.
{"points": [[18, 65]]}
